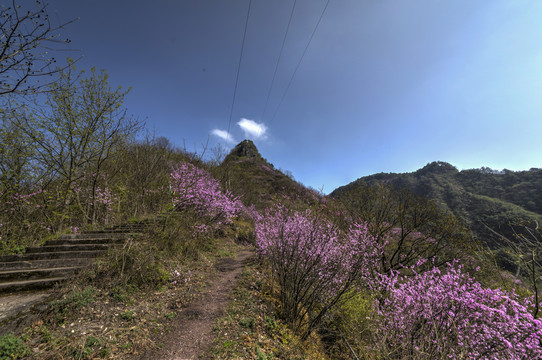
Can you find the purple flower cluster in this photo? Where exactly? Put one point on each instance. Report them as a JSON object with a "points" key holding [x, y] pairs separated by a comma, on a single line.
{"points": [[195, 189], [104, 196], [19, 202], [301, 239], [434, 314], [447, 314], [180, 278], [315, 263], [96, 200]]}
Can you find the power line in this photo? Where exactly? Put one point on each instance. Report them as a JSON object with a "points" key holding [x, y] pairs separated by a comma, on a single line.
{"points": [[278, 60], [299, 63], [239, 69]]}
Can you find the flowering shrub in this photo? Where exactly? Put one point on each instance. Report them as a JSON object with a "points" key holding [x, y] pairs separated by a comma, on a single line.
{"points": [[447, 314], [195, 189], [314, 262], [92, 200]]}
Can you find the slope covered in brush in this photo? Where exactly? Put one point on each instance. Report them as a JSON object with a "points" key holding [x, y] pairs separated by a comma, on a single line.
{"points": [[256, 181]]}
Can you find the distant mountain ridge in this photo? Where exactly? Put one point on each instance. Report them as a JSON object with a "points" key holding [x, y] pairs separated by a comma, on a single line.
{"points": [[485, 200], [482, 198]]}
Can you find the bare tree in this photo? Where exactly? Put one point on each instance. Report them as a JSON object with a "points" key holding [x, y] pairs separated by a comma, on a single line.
{"points": [[218, 153], [26, 39], [408, 226], [527, 248]]}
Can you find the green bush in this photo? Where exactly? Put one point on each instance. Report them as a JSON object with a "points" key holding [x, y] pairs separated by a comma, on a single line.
{"points": [[128, 315], [170, 315], [91, 348], [270, 324], [247, 322], [139, 264], [12, 347], [75, 300], [352, 321], [118, 294]]}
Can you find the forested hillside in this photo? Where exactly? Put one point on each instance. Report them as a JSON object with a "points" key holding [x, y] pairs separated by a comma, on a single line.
{"points": [[486, 200]]}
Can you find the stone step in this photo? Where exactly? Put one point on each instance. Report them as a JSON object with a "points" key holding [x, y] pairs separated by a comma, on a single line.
{"points": [[42, 267], [110, 231], [71, 247], [36, 284], [119, 228], [52, 255], [131, 224], [44, 264], [32, 274], [124, 231], [118, 240], [98, 235]]}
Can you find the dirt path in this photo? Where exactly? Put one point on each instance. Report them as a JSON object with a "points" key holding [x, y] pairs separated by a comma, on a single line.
{"points": [[194, 332], [15, 310]]}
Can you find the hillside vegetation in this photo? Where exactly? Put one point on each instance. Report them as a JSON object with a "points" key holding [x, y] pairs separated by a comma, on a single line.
{"points": [[392, 266], [256, 181], [483, 199], [385, 275], [382, 273]]}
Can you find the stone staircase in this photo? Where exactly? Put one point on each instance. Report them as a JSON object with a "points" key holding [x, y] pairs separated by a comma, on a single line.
{"points": [[42, 267]]}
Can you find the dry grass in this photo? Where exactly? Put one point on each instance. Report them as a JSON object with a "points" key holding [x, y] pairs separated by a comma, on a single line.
{"points": [[121, 322]]}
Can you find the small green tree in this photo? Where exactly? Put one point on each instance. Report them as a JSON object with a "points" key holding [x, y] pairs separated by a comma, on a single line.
{"points": [[79, 129]]}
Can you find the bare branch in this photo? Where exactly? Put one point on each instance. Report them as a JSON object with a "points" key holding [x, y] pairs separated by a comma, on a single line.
{"points": [[24, 51]]}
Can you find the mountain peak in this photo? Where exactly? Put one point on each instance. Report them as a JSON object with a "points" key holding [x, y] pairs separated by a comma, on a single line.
{"points": [[245, 148], [437, 167]]}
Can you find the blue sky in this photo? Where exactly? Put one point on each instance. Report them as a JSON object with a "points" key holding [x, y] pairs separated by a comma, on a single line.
{"points": [[385, 85]]}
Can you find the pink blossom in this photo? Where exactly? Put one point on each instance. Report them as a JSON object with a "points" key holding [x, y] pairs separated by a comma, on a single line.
{"points": [[194, 188], [447, 313]]}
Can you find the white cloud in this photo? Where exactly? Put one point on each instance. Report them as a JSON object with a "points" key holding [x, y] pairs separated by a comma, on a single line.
{"points": [[223, 134], [253, 129]]}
